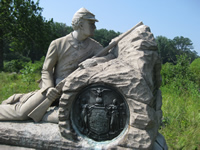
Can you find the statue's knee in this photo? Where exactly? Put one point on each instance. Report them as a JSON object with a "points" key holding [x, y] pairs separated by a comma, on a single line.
{"points": [[23, 116]]}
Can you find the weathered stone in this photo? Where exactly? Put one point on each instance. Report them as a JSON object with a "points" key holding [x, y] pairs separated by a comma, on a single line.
{"points": [[34, 135], [9, 147], [141, 115], [139, 139]]}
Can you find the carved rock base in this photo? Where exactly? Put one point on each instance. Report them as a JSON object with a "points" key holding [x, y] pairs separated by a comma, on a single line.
{"points": [[46, 136], [34, 135]]}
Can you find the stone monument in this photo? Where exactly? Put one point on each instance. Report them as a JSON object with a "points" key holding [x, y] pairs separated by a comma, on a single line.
{"points": [[117, 103], [114, 104]]}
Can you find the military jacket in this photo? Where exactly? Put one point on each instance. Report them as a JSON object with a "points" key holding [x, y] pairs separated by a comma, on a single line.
{"points": [[63, 57]]}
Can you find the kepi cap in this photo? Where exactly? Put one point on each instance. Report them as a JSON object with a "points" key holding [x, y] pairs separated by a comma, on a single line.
{"points": [[85, 14]]}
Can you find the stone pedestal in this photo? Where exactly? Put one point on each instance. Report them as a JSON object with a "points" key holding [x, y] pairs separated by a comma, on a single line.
{"points": [[34, 135], [45, 136]]}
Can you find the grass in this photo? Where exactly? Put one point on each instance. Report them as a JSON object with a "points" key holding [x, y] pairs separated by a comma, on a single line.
{"points": [[181, 119], [16, 83]]}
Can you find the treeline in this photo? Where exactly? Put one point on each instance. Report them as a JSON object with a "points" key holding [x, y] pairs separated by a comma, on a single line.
{"points": [[170, 49], [25, 36]]}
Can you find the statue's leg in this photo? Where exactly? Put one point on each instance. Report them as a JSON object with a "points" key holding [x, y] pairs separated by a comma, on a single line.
{"points": [[51, 115], [32, 103], [21, 109], [10, 112], [12, 99]]}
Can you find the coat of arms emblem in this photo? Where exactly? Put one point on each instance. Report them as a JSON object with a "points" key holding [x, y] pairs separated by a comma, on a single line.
{"points": [[99, 112]]}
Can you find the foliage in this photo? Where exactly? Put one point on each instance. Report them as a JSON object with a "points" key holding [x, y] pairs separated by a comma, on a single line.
{"points": [[5, 25], [181, 116], [22, 82], [165, 49], [23, 31], [104, 36], [168, 49], [179, 75], [29, 32], [59, 29], [195, 68], [22, 65], [12, 83], [13, 66], [181, 119], [18, 16], [29, 70]]}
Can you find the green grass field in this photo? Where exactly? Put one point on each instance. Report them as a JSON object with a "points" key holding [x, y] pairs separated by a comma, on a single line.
{"points": [[181, 120], [16, 83]]}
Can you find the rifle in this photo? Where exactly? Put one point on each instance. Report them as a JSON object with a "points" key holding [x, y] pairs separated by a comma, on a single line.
{"points": [[37, 113]]}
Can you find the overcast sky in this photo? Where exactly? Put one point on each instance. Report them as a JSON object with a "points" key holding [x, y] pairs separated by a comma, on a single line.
{"points": [[169, 18]]}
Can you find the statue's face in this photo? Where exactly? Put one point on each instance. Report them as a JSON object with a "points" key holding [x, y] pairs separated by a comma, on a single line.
{"points": [[88, 27]]}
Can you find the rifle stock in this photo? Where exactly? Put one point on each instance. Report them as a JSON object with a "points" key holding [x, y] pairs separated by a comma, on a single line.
{"points": [[41, 109], [37, 113]]}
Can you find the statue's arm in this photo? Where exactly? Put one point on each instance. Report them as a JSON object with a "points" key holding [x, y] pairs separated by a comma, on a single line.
{"points": [[110, 55], [106, 58], [48, 67], [97, 60]]}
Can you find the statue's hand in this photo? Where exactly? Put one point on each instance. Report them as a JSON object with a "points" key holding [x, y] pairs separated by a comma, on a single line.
{"points": [[88, 63], [52, 94]]}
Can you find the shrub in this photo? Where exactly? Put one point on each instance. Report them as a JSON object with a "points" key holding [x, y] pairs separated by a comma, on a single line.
{"points": [[167, 73], [179, 77], [13, 66], [29, 70], [195, 69]]}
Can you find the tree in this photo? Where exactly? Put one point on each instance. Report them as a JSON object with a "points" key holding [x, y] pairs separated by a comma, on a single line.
{"points": [[169, 49], [182, 44], [59, 29], [6, 21], [104, 36], [1, 49], [27, 28], [23, 31], [166, 49]]}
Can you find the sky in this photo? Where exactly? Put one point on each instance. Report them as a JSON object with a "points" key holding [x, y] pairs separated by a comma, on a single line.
{"points": [[169, 18]]}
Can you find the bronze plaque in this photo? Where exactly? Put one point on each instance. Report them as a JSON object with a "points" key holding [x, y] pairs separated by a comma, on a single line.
{"points": [[99, 112]]}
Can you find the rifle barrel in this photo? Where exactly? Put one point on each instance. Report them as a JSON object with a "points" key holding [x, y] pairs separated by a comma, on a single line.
{"points": [[112, 44]]}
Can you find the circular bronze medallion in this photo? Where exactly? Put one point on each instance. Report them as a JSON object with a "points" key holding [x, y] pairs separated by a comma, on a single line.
{"points": [[99, 112]]}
